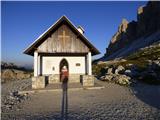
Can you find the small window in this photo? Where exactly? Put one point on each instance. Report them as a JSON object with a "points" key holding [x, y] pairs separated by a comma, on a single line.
{"points": [[78, 64]]}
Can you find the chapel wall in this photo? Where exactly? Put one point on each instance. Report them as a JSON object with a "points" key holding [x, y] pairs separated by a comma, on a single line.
{"points": [[50, 64]]}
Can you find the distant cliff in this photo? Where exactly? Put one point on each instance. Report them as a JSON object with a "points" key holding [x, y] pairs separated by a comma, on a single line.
{"points": [[10, 71], [136, 34]]}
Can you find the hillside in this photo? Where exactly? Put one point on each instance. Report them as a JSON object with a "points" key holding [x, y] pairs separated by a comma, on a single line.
{"points": [[10, 71], [143, 65]]}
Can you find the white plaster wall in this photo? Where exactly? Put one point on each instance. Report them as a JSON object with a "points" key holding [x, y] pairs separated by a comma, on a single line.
{"points": [[48, 62], [38, 65]]}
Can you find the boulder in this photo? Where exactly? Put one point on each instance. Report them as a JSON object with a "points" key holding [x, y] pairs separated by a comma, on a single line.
{"points": [[128, 72], [8, 74], [108, 77], [23, 75], [129, 65], [15, 93], [122, 79], [120, 69], [109, 71], [12, 74], [156, 64], [102, 78]]}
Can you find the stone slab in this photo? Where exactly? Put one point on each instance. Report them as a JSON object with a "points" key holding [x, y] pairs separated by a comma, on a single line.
{"points": [[38, 82], [53, 79], [88, 80], [74, 78]]}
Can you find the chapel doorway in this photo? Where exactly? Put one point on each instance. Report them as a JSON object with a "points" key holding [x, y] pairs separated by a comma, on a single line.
{"points": [[64, 70]]}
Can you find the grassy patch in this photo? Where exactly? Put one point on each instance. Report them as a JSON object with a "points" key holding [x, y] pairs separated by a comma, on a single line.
{"points": [[150, 53]]}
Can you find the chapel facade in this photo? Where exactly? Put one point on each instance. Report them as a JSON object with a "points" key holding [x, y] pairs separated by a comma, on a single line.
{"points": [[63, 44]]}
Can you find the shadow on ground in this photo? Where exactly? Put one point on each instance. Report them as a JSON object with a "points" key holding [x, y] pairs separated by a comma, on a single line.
{"points": [[64, 109], [149, 94]]}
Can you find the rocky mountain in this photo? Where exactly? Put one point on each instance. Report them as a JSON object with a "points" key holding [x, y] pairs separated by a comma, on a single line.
{"points": [[136, 34]]}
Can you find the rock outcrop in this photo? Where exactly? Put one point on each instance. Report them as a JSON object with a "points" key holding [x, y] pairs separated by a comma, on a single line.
{"points": [[12, 74], [116, 75], [11, 71], [128, 74], [147, 24], [142, 65]]}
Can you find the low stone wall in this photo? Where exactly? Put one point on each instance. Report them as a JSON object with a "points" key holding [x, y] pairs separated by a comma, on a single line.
{"points": [[87, 80], [38, 82], [73, 78], [53, 79], [41, 81]]}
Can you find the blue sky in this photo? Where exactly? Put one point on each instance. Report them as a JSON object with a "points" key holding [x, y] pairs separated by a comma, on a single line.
{"points": [[23, 22]]}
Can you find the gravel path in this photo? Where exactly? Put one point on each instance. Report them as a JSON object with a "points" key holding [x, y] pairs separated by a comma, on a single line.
{"points": [[15, 85], [111, 103]]}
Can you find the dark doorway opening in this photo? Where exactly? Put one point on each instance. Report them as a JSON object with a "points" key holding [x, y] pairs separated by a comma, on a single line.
{"points": [[62, 64]]}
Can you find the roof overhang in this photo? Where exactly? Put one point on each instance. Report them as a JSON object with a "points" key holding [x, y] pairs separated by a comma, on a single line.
{"points": [[30, 50]]}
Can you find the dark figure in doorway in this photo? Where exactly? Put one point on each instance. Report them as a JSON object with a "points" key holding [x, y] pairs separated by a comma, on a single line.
{"points": [[64, 74], [64, 79]]}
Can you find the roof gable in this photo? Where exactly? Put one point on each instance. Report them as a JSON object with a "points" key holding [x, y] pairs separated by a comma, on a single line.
{"points": [[63, 40], [41, 42]]}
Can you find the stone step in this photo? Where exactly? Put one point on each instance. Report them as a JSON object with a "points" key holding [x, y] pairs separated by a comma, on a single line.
{"points": [[74, 78]]}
